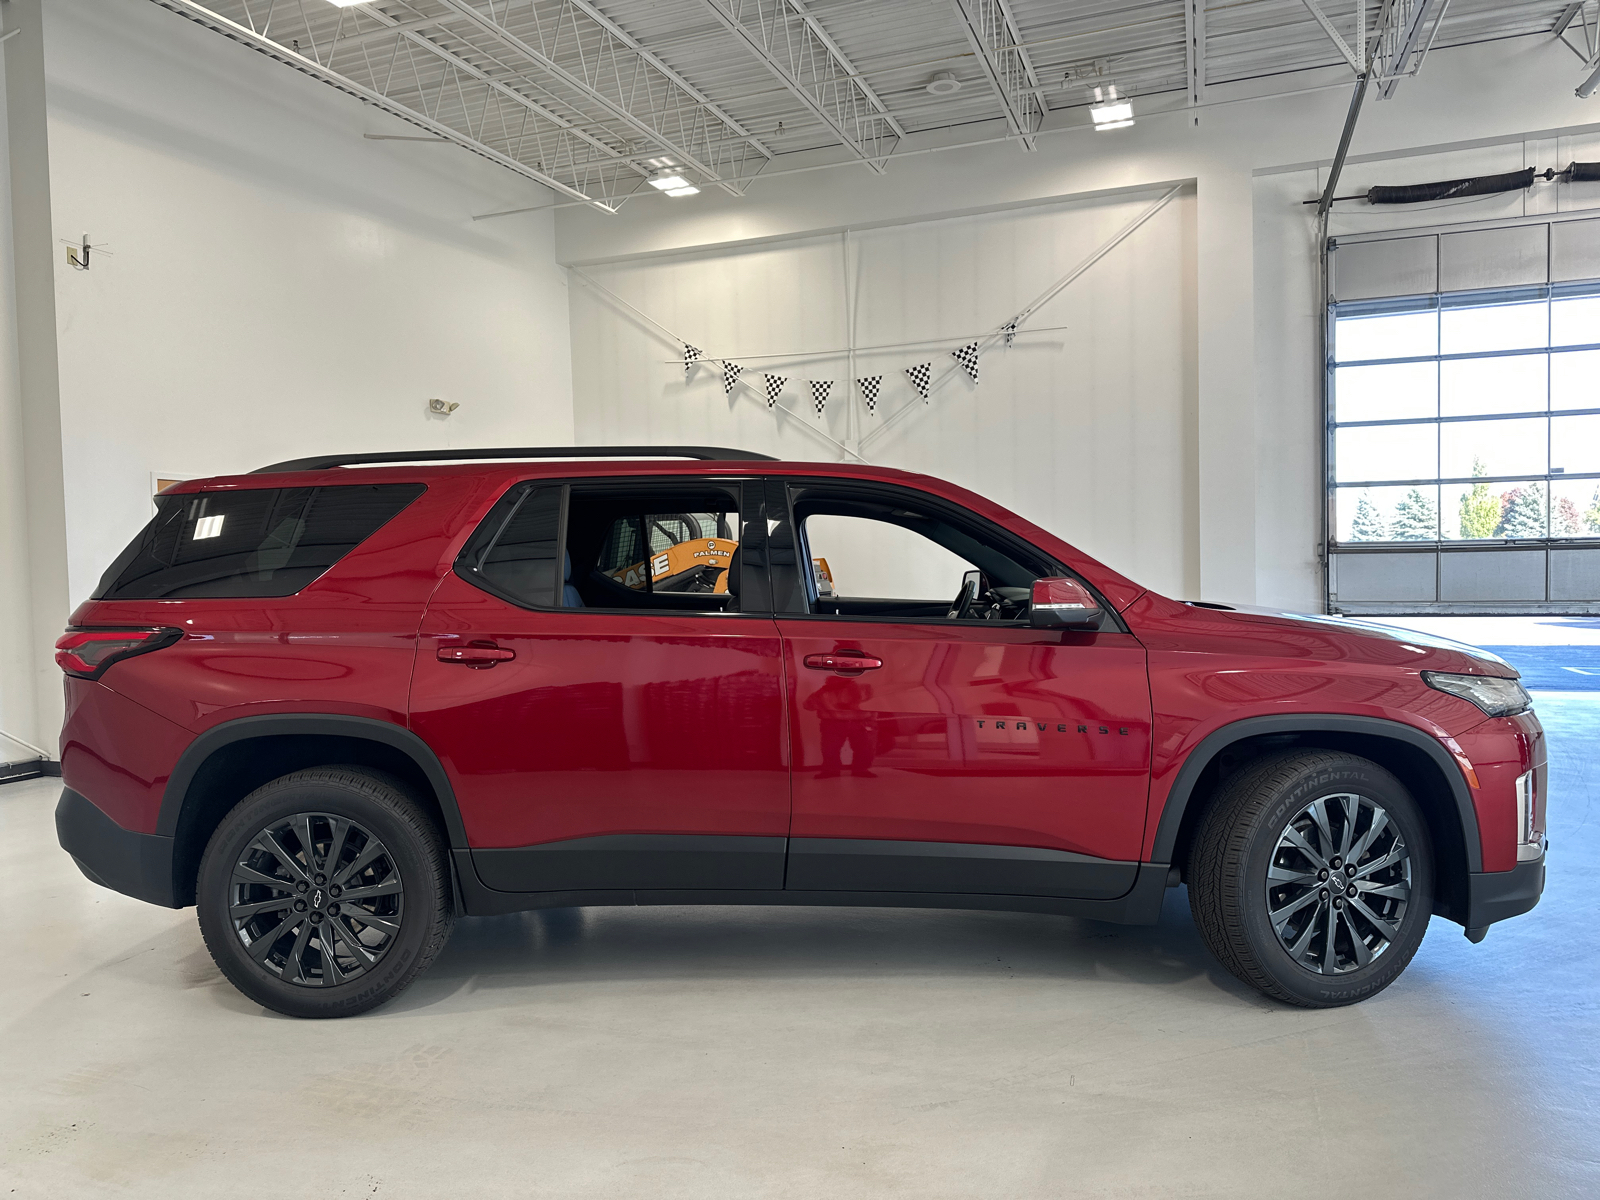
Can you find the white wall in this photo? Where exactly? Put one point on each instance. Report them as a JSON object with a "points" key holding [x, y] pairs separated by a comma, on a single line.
{"points": [[32, 523], [1085, 424], [1253, 322], [275, 285]]}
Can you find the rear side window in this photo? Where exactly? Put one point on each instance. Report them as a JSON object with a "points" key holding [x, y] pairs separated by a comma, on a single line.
{"points": [[259, 542]]}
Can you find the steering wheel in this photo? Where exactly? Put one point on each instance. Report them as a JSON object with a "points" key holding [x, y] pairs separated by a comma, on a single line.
{"points": [[961, 606]]}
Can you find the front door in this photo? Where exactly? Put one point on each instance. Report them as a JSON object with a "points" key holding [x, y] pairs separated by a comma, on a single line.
{"points": [[941, 743], [610, 714]]}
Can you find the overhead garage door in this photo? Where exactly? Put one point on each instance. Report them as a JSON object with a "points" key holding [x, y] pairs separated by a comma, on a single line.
{"points": [[1464, 419]]}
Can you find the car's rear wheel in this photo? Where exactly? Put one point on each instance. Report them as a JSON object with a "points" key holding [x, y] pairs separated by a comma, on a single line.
{"points": [[1311, 878], [324, 893]]}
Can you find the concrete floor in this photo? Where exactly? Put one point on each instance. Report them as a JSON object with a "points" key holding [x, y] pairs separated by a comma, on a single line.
{"points": [[708, 1053]]}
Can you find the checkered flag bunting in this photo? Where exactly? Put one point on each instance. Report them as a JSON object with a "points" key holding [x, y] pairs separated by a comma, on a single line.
{"points": [[775, 388], [919, 376], [819, 393], [967, 356], [869, 391], [1011, 332], [730, 376], [691, 355]]}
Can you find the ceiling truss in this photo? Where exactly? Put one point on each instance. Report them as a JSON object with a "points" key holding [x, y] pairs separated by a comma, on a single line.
{"points": [[793, 46], [590, 97], [404, 74], [992, 32]]}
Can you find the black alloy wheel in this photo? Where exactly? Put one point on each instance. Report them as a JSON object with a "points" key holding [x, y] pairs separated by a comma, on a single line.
{"points": [[1339, 884], [1311, 877], [325, 892], [316, 899]]}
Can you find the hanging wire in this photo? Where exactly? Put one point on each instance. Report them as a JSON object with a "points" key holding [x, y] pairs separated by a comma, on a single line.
{"points": [[804, 424]]}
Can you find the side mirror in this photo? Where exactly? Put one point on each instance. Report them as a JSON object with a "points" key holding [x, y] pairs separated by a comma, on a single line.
{"points": [[1062, 603]]}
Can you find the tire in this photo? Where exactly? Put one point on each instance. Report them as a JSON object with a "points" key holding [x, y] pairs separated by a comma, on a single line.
{"points": [[381, 896], [1272, 933]]}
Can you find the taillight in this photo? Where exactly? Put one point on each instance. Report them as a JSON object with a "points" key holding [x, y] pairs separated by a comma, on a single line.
{"points": [[87, 653]]}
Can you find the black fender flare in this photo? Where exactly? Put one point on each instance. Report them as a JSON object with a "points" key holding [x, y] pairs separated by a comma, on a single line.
{"points": [[369, 729], [1220, 739]]}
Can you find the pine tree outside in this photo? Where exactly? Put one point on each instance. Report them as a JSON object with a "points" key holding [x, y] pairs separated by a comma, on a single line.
{"points": [[1416, 518], [1524, 513], [1368, 524]]}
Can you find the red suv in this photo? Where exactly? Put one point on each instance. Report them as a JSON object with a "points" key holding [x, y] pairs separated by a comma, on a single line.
{"points": [[342, 700]]}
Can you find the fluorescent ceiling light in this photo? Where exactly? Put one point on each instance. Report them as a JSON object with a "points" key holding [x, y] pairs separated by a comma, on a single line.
{"points": [[687, 189], [1109, 110], [346, 3], [669, 180]]}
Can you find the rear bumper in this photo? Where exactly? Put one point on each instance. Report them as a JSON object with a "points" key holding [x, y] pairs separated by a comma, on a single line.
{"points": [[135, 864], [1495, 895]]}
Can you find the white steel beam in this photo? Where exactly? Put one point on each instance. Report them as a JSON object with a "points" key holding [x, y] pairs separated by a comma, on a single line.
{"points": [[992, 32], [455, 76], [1578, 10], [1194, 36], [627, 39], [790, 43], [616, 77], [1401, 48], [408, 30], [1350, 56]]}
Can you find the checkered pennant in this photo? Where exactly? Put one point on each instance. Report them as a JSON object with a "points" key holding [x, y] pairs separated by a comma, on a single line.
{"points": [[869, 391], [819, 393], [775, 388], [919, 376], [730, 376], [1010, 331], [967, 356], [691, 355]]}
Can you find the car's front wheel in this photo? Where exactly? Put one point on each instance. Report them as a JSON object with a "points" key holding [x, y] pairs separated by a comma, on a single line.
{"points": [[324, 893], [1311, 878]]}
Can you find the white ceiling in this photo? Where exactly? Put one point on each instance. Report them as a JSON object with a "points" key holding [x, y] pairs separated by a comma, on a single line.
{"points": [[589, 96]]}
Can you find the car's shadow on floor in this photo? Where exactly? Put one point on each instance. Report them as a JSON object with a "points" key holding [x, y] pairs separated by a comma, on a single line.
{"points": [[488, 957]]}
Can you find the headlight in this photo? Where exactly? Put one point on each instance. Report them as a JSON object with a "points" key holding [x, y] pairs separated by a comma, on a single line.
{"points": [[1496, 697]]}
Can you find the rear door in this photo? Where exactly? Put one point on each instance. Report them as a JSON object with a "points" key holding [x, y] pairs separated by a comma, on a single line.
{"points": [[946, 751], [607, 698]]}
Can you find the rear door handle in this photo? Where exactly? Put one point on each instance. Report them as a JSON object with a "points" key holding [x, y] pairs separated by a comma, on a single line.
{"points": [[476, 654], [854, 664]]}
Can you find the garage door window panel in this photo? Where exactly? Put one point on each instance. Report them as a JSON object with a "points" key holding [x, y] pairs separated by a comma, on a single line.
{"points": [[1389, 391], [1387, 335], [1466, 327], [1510, 453], [1385, 452], [1472, 387], [1575, 379]]}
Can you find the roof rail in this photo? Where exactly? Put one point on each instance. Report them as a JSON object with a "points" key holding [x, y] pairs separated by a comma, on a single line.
{"points": [[321, 461]]}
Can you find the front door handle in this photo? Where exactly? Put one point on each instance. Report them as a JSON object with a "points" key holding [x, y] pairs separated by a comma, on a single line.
{"points": [[476, 654], [850, 664]]}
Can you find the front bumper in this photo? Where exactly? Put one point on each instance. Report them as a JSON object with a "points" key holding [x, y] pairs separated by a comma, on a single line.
{"points": [[1495, 895], [135, 864]]}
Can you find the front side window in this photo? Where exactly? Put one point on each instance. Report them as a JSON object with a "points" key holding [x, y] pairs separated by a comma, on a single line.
{"points": [[870, 557]]}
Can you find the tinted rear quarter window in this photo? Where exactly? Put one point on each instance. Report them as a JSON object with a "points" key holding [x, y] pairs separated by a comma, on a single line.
{"points": [[253, 542], [513, 552]]}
